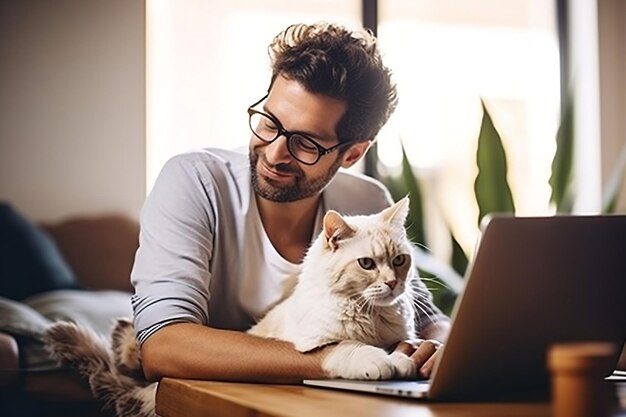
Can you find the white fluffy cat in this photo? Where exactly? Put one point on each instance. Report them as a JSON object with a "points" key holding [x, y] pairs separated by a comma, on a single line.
{"points": [[355, 289]]}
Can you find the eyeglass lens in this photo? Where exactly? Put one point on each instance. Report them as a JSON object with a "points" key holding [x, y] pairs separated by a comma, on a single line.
{"points": [[300, 147]]}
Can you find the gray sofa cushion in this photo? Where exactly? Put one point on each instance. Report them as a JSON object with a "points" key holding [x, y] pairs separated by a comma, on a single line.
{"points": [[28, 319]]}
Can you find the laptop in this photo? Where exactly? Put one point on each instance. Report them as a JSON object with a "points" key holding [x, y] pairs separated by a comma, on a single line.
{"points": [[533, 281]]}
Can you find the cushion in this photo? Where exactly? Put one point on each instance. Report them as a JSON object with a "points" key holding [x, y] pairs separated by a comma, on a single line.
{"points": [[30, 262], [97, 310], [26, 325], [100, 249], [28, 319]]}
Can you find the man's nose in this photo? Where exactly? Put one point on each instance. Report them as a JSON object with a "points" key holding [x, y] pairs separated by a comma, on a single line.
{"points": [[277, 152]]}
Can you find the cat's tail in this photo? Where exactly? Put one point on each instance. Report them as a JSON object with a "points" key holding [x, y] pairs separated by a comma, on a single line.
{"points": [[79, 348]]}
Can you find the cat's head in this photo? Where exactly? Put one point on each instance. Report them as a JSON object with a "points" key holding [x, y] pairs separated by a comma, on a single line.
{"points": [[368, 257]]}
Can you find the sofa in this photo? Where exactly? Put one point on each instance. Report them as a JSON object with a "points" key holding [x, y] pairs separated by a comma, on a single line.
{"points": [[86, 262]]}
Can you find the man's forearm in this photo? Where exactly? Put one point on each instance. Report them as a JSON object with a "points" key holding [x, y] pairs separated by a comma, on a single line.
{"points": [[186, 350]]}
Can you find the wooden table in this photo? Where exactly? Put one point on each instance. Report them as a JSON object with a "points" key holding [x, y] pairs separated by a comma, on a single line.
{"points": [[189, 398]]}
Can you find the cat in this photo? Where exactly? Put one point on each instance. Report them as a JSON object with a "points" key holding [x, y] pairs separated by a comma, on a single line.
{"points": [[355, 290]]}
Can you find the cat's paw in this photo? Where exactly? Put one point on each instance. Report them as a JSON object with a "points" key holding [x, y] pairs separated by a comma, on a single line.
{"points": [[405, 367], [354, 360]]}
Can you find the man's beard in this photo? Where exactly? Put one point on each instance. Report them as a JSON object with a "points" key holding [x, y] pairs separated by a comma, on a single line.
{"points": [[300, 188]]}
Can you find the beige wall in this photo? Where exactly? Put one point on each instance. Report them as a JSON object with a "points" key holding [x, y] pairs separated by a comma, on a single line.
{"points": [[72, 106], [612, 54]]}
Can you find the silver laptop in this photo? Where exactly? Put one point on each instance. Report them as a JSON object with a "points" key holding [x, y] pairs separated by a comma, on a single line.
{"points": [[533, 281]]}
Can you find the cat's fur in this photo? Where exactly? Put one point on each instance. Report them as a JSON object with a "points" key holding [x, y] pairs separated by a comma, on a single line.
{"points": [[113, 371], [355, 289]]}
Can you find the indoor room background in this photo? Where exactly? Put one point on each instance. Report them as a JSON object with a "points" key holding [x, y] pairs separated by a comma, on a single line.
{"points": [[96, 95]]}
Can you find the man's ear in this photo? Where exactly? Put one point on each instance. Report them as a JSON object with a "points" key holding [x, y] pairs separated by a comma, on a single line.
{"points": [[354, 153]]}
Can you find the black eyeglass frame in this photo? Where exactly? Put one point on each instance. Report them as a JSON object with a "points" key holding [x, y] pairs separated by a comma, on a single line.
{"points": [[281, 131]]}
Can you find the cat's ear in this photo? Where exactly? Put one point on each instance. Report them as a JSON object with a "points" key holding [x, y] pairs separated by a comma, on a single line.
{"points": [[336, 229], [396, 215]]}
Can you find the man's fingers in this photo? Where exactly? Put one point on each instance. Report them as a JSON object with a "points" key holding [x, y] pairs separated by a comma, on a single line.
{"points": [[424, 353], [405, 347], [427, 369]]}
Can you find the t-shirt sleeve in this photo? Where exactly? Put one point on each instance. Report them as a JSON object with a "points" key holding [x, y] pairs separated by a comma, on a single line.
{"points": [[171, 273]]}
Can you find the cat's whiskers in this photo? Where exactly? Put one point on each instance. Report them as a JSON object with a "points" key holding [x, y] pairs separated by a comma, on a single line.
{"points": [[419, 301], [437, 280], [361, 303]]}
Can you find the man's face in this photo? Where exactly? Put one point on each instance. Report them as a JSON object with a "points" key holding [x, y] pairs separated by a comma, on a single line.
{"points": [[276, 175]]}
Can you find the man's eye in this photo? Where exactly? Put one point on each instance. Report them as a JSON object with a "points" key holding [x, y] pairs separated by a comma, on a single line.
{"points": [[304, 144], [267, 124], [367, 263]]}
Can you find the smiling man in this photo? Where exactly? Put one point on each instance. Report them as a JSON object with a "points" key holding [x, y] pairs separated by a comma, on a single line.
{"points": [[223, 231]]}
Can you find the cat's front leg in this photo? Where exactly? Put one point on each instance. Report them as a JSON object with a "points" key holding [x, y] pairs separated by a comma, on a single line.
{"points": [[355, 360]]}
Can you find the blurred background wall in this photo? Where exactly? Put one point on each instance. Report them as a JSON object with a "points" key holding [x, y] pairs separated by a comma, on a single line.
{"points": [[72, 106], [612, 80]]}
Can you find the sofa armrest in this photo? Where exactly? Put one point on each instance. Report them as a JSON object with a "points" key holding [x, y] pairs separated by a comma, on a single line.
{"points": [[9, 360]]}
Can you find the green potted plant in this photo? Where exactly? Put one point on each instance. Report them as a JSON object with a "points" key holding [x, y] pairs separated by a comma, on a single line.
{"points": [[493, 194]]}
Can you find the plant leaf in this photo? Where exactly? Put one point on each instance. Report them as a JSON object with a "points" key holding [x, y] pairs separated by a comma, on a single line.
{"points": [[402, 185], [415, 229], [562, 163], [459, 258], [491, 188]]}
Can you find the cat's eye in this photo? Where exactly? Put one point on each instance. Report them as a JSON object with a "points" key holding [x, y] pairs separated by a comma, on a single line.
{"points": [[367, 263], [399, 260]]}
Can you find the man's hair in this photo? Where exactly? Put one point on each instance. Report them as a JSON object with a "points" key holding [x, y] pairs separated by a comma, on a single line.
{"points": [[331, 60]]}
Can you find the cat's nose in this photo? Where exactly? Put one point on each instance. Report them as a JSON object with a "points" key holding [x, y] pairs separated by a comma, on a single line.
{"points": [[391, 283]]}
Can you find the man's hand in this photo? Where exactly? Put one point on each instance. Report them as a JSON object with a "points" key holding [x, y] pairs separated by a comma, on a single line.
{"points": [[422, 352]]}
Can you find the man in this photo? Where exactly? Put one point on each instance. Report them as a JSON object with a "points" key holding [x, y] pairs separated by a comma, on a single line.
{"points": [[222, 231]]}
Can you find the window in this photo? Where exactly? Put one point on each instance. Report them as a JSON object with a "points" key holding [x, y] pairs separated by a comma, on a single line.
{"points": [[446, 57]]}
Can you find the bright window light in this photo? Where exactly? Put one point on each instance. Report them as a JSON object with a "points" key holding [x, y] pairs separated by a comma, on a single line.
{"points": [[446, 57], [207, 62]]}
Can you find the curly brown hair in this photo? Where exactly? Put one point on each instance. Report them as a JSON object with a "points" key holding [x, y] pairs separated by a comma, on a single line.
{"points": [[332, 60]]}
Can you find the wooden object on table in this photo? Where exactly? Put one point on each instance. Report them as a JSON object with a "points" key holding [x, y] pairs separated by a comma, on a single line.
{"points": [[578, 385]]}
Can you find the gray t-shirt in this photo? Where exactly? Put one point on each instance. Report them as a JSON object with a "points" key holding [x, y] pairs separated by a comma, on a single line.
{"points": [[204, 256]]}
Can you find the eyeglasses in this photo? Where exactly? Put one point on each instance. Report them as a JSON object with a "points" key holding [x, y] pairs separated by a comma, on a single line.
{"points": [[300, 146]]}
